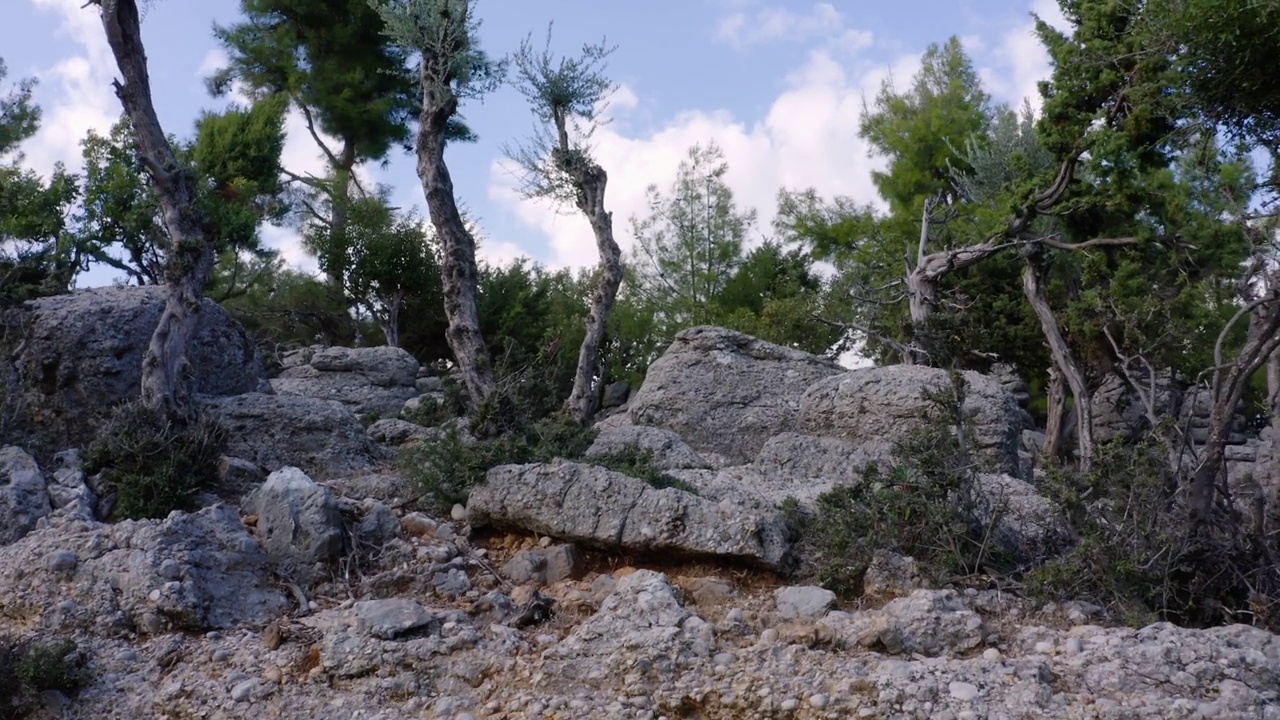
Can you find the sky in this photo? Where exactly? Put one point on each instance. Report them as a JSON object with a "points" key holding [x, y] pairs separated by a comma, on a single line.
{"points": [[779, 85]]}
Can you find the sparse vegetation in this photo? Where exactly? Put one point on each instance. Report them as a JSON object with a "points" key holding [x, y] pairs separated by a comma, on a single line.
{"points": [[638, 463], [152, 464], [29, 668], [1142, 559], [921, 506]]}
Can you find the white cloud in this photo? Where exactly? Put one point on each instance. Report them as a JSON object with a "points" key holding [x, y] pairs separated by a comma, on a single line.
{"points": [[807, 138], [213, 61], [1018, 62], [75, 93], [744, 27]]}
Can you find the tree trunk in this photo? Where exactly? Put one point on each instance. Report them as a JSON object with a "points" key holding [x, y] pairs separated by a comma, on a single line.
{"points": [[458, 248], [1064, 359], [590, 181], [1273, 387], [1262, 343], [336, 261], [189, 260], [1052, 448], [390, 323]]}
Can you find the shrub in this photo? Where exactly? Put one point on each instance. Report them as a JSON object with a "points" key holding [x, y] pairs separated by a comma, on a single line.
{"points": [[1142, 559], [921, 505], [27, 669], [445, 471], [154, 465]]}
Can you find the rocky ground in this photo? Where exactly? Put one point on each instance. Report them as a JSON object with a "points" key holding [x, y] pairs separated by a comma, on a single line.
{"points": [[311, 586]]}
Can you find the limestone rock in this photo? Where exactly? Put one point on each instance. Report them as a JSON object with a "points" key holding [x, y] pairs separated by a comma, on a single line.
{"points": [[321, 437], [725, 392], [643, 614], [803, 602], [928, 622], [541, 566], [873, 407], [394, 432], [669, 451], [74, 356], [368, 381], [391, 618], [890, 575], [1028, 525], [592, 505], [24, 495], [299, 523], [190, 571]]}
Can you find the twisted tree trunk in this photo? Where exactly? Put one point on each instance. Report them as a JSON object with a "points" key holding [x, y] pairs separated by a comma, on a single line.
{"points": [[1064, 360], [457, 246], [589, 180], [189, 260]]}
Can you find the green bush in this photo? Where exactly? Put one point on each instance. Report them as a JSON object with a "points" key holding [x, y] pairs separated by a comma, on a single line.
{"points": [[153, 465], [921, 506], [1140, 556], [445, 471], [27, 669]]}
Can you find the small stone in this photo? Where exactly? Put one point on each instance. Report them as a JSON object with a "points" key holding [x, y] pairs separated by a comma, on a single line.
{"points": [[790, 705], [544, 541], [1075, 646], [1044, 647], [963, 691], [445, 532], [243, 690], [418, 525], [273, 675], [458, 512], [723, 658], [803, 602], [768, 637], [465, 716], [170, 569], [272, 637], [991, 654], [60, 561], [219, 655], [819, 701], [736, 616]]}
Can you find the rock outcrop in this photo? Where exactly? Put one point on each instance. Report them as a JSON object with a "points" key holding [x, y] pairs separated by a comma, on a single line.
{"points": [[72, 357], [299, 524], [24, 494], [369, 381], [872, 408], [321, 437], [726, 393], [190, 571], [592, 505]]}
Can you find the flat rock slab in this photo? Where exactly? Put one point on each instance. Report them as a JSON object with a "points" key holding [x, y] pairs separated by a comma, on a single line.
{"points": [[391, 618], [596, 506]]}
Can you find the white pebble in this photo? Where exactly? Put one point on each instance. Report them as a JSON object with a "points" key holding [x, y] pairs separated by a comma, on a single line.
{"points": [[1075, 645], [242, 690], [790, 704], [1044, 647], [963, 691], [991, 654], [819, 701]]}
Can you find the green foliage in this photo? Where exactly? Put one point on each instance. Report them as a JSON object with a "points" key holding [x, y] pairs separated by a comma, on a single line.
{"points": [[287, 309], [445, 471], [918, 131], [1142, 559], [19, 117], [447, 35], [30, 668], [153, 465], [921, 506], [691, 243], [637, 462]]}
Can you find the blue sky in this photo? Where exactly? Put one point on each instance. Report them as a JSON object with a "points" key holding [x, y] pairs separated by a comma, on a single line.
{"points": [[779, 85]]}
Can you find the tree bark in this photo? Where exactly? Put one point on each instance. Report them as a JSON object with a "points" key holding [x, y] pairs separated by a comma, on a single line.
{"points": [[1262, 343], [590, 181], [189, 260], [1063, 358], [1056, 392], [457, 245]]}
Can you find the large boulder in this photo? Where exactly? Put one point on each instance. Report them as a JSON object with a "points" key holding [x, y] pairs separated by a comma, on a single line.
{"points": [[726, 393], [873, 407], [368, 381], [926, 622], [190, 572], [321, 437], [668, 451], [595, 506], [1027, 525], [73, 356], [299, 524], [24, 495]]}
